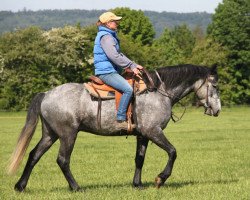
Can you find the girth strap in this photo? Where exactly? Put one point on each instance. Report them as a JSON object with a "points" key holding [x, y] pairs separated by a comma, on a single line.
{"points": [[98, 108]]}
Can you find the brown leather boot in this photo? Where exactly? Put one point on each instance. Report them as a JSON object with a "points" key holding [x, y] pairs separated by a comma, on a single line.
{"points": [[123, 125]]}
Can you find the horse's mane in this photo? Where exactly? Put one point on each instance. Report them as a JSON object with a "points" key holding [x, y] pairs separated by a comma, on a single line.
{"points": [[173, 76]]}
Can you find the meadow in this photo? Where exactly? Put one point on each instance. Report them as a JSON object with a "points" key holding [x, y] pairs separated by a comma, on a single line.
{"points": [[213, 161]]}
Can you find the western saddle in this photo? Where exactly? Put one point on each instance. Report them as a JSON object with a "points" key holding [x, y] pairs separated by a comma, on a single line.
{"points": [[99, 90]]}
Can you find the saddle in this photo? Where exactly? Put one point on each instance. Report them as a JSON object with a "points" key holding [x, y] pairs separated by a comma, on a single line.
{"points": [[101, 91], [98, 89]]}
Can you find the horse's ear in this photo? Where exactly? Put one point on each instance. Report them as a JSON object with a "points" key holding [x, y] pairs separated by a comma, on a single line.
{"points": [[214, 69]]}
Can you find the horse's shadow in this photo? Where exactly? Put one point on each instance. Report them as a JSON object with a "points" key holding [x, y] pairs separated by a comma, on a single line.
{"points": [[147, 185]]}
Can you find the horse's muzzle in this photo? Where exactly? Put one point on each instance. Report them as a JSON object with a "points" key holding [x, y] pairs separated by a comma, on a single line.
{"points": [[209, 111]]}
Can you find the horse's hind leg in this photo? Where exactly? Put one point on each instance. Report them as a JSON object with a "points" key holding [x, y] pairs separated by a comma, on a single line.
{"points": [[48, 138], [141, 148], [63, 159], [156, 135]]}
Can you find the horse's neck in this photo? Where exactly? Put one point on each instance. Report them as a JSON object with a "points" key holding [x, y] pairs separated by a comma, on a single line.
{"points": [[179, 92]]}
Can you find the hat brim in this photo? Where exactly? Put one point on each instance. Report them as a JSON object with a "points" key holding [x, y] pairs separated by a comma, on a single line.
{"points": [[117, 18]]}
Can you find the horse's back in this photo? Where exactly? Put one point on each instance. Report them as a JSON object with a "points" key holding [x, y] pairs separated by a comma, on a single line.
{"points": [[63, 104], [64, 96]]}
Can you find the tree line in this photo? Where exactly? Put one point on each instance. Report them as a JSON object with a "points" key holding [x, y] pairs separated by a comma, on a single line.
{"points": [[46, 19], [33, 60]]}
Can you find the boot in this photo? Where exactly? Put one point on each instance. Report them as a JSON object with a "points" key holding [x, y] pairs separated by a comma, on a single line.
{"points": [[123, 125]]}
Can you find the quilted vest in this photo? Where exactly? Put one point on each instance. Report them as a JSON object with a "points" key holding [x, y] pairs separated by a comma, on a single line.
{"points": [[102, 64]]}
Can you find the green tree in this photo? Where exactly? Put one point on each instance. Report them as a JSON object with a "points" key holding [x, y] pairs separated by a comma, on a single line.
{"points": [[25, 66], [184, 39], [231, 27], [166, 50], [133, 50], [68, 48], [207, 52], [33, 60], [198, 34], [136, 25]]}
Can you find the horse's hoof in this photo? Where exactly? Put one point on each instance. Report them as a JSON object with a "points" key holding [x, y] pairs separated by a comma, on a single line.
{"points": [[138, 186], [76, 189], [19, 188], [158, 182]]}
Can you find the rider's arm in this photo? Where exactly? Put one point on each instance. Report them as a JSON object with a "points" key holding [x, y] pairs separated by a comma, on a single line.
{"points": [[119, 59]]}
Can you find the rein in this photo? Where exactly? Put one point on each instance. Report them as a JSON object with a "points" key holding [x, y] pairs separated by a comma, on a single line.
{"points": [[162, 90], [152, 85]]}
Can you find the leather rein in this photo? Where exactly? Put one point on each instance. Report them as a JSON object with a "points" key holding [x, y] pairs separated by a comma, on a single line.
{"points": [[162, 90]]}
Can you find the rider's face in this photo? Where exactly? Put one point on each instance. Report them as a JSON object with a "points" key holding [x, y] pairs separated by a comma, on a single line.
{"points": [[113, 25]]}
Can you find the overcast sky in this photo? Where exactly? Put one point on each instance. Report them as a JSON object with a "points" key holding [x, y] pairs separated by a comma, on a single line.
{"points": [[154, 5]]}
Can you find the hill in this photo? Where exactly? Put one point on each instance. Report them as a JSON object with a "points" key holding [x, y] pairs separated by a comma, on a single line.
{"points": [[47, 19]]}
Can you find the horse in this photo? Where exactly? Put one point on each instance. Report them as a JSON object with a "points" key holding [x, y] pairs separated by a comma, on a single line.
{"points": [[67, 109]]}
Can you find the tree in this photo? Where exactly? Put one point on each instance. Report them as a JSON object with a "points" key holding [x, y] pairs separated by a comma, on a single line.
{"points": [[167, 50], [136, 25], [198, 33], [32, 61], [184, 39], [68, 48], [207, 52], [25, 67], [231, 27]]}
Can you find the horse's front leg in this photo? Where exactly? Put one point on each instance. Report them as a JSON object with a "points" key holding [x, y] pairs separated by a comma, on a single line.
{"points": [[157, 136], [141, 148]]}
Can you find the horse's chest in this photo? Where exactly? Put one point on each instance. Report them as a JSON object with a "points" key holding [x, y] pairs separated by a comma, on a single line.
{"points": [[154, 111]]}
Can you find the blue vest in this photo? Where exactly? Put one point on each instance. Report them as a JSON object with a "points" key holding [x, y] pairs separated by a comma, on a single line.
{"points": [[102, 64]]}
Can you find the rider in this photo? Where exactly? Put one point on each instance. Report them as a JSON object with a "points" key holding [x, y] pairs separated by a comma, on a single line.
{"points": [[109, 62]]}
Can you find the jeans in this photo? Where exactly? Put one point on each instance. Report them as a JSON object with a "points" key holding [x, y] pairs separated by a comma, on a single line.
{"points": [[116, 81]]}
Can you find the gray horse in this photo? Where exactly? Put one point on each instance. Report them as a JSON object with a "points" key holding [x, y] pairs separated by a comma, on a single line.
{"points": [[69, 108]]}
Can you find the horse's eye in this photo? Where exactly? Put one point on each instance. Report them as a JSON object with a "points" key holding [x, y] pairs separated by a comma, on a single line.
{"points": [[214, 85]]}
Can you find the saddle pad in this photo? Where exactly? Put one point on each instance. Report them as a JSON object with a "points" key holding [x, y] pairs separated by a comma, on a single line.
{"points": [[140, 87]]}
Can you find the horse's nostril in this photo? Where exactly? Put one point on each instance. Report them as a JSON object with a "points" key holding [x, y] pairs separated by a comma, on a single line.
{"points": [[217, 113]]}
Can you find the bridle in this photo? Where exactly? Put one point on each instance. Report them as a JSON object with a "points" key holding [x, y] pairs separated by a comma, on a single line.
{"points": [[162, 90], [207, 80]]}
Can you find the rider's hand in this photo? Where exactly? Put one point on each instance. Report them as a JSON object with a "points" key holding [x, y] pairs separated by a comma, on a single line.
{"points": [[139, 67], [137, 70]]}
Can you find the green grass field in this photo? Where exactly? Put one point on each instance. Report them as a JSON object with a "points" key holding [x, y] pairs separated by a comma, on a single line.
{"points": [[213, 161]]}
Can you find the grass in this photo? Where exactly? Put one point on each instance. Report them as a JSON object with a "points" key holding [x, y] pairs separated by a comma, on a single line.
{"points": [[213, 161]]}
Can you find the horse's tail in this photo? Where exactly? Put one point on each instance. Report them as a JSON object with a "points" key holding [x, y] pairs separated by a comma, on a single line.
{"points": [[26, 133]]}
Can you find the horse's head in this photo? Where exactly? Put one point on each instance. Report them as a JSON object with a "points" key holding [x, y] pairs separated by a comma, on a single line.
{"points": [[207, 93]]}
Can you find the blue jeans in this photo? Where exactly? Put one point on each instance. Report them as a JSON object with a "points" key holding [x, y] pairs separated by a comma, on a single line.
{"points": [[116, 81]]}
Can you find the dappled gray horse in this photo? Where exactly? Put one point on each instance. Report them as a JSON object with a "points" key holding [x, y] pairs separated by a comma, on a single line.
{"points": [[69, 108]]}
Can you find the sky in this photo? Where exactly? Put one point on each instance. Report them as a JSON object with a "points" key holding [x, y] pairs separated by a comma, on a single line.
{"points": [[180, 6]]}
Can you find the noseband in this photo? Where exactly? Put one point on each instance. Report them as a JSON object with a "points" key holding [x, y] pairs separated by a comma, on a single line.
{"points": [[209, 79]]}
